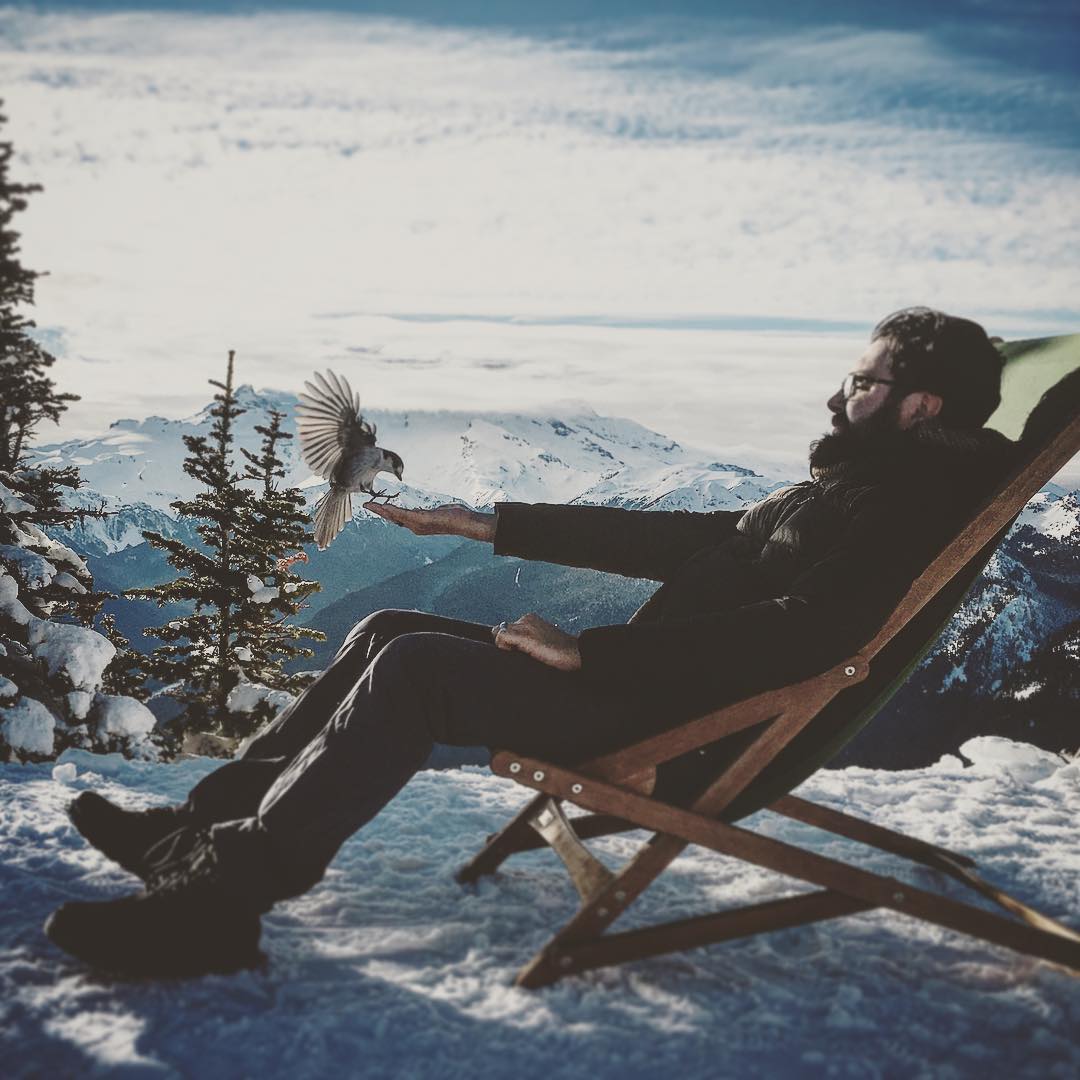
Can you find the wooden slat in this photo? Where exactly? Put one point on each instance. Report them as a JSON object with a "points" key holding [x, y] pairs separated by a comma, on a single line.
{"points": [[865, 832], [693, 933]]}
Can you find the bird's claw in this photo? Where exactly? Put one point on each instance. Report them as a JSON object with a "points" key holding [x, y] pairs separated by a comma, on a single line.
{"points": [[384, 495]]}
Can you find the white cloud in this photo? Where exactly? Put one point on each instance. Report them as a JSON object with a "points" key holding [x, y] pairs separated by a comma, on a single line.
{"points": [[221, 182]]}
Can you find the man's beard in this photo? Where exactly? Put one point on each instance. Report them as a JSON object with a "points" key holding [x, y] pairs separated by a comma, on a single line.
{"points": [[850, 442]]}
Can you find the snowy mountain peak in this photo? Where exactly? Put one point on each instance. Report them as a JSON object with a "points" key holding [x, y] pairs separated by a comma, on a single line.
{"points": [[478, 458], [1053, 514]]}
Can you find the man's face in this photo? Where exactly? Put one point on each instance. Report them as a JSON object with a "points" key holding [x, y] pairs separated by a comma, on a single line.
{"points": [[873, 407]]}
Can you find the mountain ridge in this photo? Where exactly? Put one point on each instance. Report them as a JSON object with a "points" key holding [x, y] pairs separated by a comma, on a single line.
{"points": [[1007, 651]]}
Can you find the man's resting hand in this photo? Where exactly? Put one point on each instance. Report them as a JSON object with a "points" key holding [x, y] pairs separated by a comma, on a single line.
{"points": [[450, 519], [541, 640]]}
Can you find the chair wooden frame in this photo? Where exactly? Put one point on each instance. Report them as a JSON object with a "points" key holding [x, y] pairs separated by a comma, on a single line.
{"points": [[615, 790]]}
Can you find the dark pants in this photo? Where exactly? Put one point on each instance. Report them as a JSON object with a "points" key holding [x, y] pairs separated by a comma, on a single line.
{"points": [[402, 682]]}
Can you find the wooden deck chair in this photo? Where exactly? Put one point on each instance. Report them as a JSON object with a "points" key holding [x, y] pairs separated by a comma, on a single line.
{"points": [[781, 737]]}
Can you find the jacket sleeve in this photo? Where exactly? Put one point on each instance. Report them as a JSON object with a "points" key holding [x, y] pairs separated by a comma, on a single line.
{"points": [[636, 543], [827, 612]]}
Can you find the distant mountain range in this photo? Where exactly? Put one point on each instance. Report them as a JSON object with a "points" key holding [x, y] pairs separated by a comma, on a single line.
{"points": [[1008, 663]]}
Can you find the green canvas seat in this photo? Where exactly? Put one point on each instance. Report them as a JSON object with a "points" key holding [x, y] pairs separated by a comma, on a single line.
{"points": [[748, 756]]}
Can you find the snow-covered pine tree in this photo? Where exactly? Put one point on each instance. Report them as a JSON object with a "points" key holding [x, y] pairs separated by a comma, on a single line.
{"points": [[50, 669], [272, 543], [198, 656]]}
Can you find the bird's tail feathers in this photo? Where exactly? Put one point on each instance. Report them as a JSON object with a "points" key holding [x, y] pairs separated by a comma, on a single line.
{"points": [[331, 513]]}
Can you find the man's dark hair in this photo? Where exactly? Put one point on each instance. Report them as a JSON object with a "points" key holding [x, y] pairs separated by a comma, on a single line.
{"points": [[947, 356]]}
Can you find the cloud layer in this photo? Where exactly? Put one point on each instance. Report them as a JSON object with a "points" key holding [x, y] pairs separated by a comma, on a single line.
{"points": [[550, 211]]}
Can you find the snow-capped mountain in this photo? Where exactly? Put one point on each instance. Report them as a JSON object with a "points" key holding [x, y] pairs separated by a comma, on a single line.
{"points": [[480, 459], [123, 527]]}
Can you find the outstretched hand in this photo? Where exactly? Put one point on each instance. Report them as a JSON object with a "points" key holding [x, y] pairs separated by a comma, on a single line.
{"points": [[450, 519], [541, 640]]}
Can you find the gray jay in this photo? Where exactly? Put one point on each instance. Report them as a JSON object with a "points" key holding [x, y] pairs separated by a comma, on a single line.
{"points": [[339, 445]]}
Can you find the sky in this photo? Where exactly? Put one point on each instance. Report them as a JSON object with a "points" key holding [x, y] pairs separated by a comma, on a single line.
{"points": [[692, 219]]}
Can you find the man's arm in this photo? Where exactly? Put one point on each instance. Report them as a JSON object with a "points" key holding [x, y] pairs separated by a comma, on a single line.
{"points": [[635, 543]]}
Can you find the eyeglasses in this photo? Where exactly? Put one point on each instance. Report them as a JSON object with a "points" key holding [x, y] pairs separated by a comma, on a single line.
{"points": [[857, 381]]}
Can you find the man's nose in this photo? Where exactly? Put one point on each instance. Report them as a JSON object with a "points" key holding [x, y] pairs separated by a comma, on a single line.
{"points": [[836, 403]]}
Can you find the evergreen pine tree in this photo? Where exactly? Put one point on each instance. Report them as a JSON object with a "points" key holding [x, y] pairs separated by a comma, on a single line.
{"points": [[27, 394], [52, 673], [33, 497], [272, 543], [199, 651]]}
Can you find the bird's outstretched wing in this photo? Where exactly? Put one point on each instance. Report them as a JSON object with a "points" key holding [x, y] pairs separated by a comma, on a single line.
{"points": [[330, 423]]}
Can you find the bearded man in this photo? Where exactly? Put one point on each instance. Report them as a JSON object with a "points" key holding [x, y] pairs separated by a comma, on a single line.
{"points": [[749, 600]]}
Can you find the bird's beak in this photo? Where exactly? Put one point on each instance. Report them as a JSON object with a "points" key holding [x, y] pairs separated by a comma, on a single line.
{"points": [[398, 472]]}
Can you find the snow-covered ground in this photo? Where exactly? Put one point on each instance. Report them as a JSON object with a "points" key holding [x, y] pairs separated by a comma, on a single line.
{"points": [[390, 969]]}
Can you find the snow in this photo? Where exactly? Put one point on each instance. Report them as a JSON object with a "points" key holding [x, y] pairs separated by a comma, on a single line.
{"points": [[261, 593], [1026, 691], [66, 581], [31, 536], [1052, 515], [79, 702], [7, 688], [10, 503], [245, 696], [64, 774], [27, 727], [34, 571], [80, 654], [122, 716], [1023, 763], [11, 606], [389, 968]]}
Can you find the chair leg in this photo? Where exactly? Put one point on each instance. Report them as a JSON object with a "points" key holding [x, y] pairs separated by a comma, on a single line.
{"points": [[515, 836]]}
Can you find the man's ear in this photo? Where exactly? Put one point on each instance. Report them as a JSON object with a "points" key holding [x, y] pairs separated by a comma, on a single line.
{"points": [[917, 407]]}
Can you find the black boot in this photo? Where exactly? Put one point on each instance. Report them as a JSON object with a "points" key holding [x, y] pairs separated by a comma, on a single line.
{"points": [[195, 917], [124, 836]]}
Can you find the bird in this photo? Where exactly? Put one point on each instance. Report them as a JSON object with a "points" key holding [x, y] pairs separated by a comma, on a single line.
{"points": [[339, 445]]}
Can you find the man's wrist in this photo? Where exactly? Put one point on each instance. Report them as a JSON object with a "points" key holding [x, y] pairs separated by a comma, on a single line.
{"points": [[481, 526]]}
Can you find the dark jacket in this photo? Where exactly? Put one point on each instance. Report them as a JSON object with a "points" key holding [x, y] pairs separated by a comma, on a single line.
{"points": [[758, 598]]}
